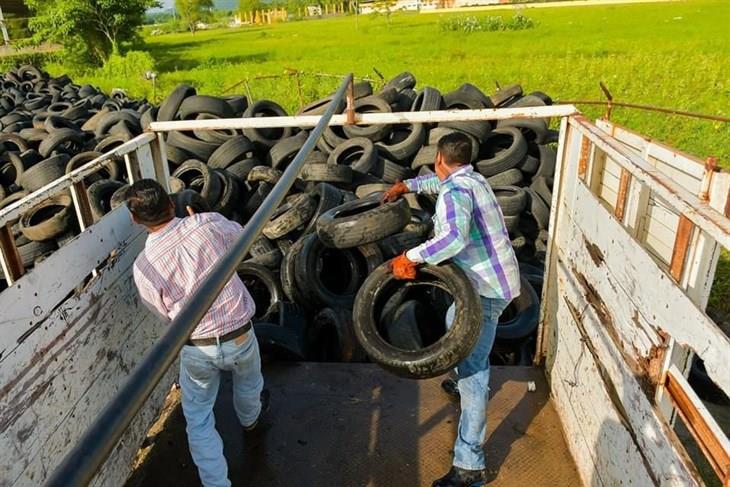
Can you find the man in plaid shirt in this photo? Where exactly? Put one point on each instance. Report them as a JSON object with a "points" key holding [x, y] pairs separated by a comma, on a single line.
{"points": [[178, 254], [469, 230]]}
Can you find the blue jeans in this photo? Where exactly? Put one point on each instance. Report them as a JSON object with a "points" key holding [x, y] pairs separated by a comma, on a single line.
{"points": [[473, 374], [199, 380]]}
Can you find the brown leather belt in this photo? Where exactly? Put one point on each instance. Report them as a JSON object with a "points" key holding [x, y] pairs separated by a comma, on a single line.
{"points": [[204, 342]]}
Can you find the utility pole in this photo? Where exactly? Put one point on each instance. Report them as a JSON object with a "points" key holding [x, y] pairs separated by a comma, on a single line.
{"points": [[6, 38]]}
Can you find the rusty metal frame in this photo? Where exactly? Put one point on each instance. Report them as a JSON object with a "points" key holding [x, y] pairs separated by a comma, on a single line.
{"points": [[681, 248], [623, 190]]}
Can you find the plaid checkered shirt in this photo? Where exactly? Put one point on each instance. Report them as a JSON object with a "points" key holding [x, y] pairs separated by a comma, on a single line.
{"points": [[177, 257], [469, 229]]}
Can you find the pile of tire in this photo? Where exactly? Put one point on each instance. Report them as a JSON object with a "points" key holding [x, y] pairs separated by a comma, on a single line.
{"points": [[50, 126]]}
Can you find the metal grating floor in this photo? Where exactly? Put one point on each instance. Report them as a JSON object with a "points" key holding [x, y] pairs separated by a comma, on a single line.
{"points": [[356, 425]]}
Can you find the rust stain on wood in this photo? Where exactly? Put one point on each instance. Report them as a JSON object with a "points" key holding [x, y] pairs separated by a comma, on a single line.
{"points": [[681, 246], [623, 189], [585, 147], [594, 252]]}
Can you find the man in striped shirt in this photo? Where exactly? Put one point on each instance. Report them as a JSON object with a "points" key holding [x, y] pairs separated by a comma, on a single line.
{"points": [[469, 230], [178, 255]]}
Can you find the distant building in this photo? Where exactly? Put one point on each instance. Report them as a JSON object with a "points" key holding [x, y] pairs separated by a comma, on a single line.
{"points": [[370, 6], [314, 10]]}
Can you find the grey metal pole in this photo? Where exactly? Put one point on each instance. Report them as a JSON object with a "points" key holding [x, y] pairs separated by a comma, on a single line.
{"points": [[92, 449]]}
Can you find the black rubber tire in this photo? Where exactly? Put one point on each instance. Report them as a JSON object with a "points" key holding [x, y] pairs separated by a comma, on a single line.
{"points": [[63, 140], [48, 219], [325, 197], [539, 210], [401, 82], [264, 139], [358, 153], [198, 148], [362, 221], [271, 260], [100, 195], [428, 99], [238, 104], [171, 104], [190, 170], [108, 170], [188, 197], [109, 121], [543, 187], [111, 142], [44, 172], [704, 386], [284, 151], [504, 96], [316, 157], [288, 277], [369, 104], [510, 177], [197, 104], [331, 337], [119, 197], [31, 251], [527, 101], [231, 151], [400, 242], [256, 197], [426, 156], [242, 169], [264, 174], [311, 265], [147, 117], [278, 343], [57, 122], [519, 320], [215, 136], [261, 246], [230, 193], [547, 157], [401, 148], [445, 353], [390, 172], [504, 149], [529, 164], [465, 99], [511, 223], [404, 100], [421, 222], [296, 211], [535, 130], [264, 287], [327, 173], [512, 199], [176, 155], [402, 330]]}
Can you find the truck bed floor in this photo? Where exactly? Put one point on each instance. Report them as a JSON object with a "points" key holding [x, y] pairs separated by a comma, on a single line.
{"points": [[356, 425]]}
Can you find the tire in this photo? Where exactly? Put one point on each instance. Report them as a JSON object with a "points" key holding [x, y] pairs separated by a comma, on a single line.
{"points": [[288, 277], [546, 167], [32, 251], [127, 118], [198, 176], [331, 277], [100, 194], [285, 150], [505, 95], [171, 104], [214, 136], [535, 130], [510, 177], [402, 330], [147, 117], [108, 170], [242, 169], [177, 156], [527, 101], [366, 190], [390, 172], [279, 343], [57, 122], [519, 320], [543, 187], [211, 105], [429, 99], [111, 142], [63, 140], [264, 288], [464, 99], [188, 197], [176, 185], [296, 211], [400, 242], [435, 359], [404, 100], [198, 148], [369, 104], [362, 221], [505, 148], [44, 172], [529, 165], [401, 148], [325, 197], [421, 222], [256, 198], [539, 210], [524, 248], [271, 260], [512, 199], [512, 223], [230, 194], [426, 156], [400, 82], [264, 174], [238, 104], [331, 337], [48, 219], [327, 173], [265, 138], [358, 153]]}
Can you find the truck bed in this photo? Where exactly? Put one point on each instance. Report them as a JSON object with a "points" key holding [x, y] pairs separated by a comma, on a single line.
{"points": [[356, 425]]}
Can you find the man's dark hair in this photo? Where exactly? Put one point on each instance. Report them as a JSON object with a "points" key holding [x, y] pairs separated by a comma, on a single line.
{"points": [[149, 203], [455, 148]]}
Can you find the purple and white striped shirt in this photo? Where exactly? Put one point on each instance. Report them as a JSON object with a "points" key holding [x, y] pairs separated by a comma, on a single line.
{"points": [[469, 229]]}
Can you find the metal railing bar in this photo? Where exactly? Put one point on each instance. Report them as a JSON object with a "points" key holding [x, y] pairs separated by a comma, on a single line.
{"points": [[92, 449], [14, 211], [388, 118]]}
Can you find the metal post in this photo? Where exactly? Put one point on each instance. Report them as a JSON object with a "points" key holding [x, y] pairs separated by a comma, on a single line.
{"points": [[92, 449], [351, 103]]}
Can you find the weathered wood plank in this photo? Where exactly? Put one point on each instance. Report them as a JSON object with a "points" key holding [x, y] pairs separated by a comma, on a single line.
{"points": [[30, 300]]}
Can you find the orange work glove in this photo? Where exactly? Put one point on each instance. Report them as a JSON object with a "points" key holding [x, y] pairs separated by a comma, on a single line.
{"points": [[395, 192], [403, 268]]}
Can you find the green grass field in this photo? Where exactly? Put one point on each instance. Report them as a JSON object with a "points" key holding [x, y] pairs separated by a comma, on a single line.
{"points": [[668, 54]]}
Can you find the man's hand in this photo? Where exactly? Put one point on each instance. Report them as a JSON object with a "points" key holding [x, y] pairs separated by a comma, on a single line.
{"points": [[394, 192], [190, 210], [403, 268]]}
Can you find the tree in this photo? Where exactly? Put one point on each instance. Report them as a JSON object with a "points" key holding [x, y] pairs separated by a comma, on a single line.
{"points": [[92, 29], [193, 11], [250, 5]]}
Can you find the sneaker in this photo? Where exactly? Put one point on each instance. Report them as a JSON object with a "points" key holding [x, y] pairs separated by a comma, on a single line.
{"points": [[460, 477], [451, 388], [265, 404]]}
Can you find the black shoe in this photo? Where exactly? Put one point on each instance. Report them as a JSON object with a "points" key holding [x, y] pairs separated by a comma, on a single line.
{"points": [[451, 388], [459, 477], [265, 404]]}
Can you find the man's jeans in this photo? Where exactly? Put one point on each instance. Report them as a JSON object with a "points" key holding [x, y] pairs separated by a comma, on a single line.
{"points": [[473, 374], [199, 379]]}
